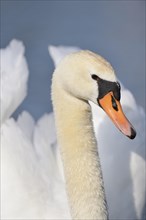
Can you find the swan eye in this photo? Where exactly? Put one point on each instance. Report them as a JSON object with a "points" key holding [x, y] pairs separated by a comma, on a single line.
{"points": [[95, 77]]}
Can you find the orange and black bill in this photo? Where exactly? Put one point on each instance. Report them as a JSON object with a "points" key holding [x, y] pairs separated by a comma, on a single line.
{"points": [[114, 110]]}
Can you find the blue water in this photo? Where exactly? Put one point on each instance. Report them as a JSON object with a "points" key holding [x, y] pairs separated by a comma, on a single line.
{"points": [[114, 29]]}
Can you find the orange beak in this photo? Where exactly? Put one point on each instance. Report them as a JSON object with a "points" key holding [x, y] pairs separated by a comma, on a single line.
{"points": [[114, 110]]}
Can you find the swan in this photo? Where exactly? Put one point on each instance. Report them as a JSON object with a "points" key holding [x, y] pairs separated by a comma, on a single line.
{"points": [[32, 185], [120, 165], [80, 77]]}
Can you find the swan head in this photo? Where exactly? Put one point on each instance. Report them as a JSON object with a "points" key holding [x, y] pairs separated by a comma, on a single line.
{"points": [[88, 76]]}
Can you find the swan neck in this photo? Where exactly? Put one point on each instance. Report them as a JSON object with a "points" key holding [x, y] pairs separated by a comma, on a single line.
{"points": [[80, 157]]}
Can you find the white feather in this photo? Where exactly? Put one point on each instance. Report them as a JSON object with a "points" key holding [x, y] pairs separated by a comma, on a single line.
{"points": [[32, 182], [14, 75]]}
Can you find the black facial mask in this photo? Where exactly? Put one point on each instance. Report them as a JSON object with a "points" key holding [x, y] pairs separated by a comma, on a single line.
{"points": [[106, 87]]}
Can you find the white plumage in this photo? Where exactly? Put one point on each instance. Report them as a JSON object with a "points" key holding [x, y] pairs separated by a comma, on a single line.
{"points": [[14, 75], [32, 182]]}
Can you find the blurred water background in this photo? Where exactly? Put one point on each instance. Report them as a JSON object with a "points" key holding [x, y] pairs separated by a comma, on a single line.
{"points": [[114, 29]]}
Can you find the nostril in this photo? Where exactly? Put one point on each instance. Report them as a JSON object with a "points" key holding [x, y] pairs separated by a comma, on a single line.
{"points": [[114, 104]]}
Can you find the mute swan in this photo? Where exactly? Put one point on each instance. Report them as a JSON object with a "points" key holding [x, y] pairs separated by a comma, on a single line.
{"points": [[32, 187], [120, 164], [80, 77]]}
